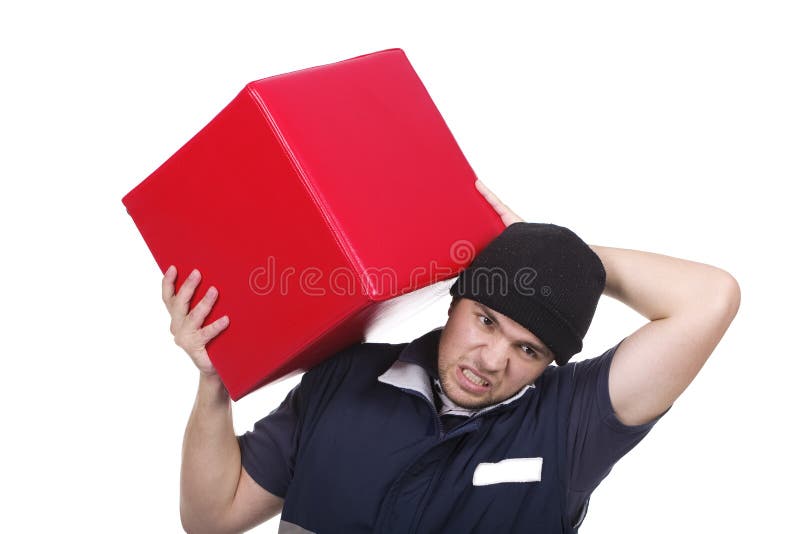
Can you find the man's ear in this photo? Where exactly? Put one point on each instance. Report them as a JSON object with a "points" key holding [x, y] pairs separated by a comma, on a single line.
{"points": [[452, 305]]}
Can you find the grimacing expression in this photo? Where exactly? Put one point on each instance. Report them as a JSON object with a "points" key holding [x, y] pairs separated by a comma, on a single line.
{"points": [[486, 357]]}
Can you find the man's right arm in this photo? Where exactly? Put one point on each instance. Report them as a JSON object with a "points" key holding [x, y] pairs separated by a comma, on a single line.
{"points": [[217, 494]]}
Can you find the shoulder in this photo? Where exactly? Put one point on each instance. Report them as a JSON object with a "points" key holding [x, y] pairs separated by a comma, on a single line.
{"points": [[587, 374], [594, 366], [346, 372], [359, 358], [589, 379]]}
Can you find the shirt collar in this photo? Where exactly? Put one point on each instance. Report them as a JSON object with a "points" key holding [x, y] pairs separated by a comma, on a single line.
{"points": [[416, 368]]}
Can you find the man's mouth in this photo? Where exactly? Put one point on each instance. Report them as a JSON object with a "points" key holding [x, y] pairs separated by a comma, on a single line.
{"points": [[473, 378]]}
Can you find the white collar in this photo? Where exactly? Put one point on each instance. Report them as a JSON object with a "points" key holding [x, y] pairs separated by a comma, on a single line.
{"points": [[415, 367]]}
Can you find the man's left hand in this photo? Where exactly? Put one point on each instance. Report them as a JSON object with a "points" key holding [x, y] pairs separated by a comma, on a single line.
{"points": [[505, 213]]}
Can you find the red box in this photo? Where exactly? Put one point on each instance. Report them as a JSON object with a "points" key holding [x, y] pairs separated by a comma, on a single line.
{"points": [[309, 200]]}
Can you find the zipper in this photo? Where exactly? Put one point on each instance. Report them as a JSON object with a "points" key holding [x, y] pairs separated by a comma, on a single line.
{"points": [[436, 420]]}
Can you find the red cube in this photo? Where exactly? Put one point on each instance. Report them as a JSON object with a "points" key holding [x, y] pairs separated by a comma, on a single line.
{"points": [[308, 201]]}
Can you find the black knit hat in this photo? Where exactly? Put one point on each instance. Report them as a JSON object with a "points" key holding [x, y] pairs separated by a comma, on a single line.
{"points": [[542, 276]]}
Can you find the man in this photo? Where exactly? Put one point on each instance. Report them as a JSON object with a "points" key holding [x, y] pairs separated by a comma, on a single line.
{"points": [[467, 428]]}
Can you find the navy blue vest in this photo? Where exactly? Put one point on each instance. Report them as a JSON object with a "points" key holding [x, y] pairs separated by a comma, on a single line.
{"points": [[373, 456]]}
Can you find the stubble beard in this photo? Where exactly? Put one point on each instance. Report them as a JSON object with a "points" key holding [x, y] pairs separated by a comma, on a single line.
{"points": [[456, 394]]}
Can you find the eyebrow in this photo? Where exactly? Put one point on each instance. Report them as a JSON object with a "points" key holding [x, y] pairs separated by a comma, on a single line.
{"points": [[538, 346]]}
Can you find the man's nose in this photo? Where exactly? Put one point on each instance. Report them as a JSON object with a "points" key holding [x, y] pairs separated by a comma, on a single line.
{"points": [[493, 356]]}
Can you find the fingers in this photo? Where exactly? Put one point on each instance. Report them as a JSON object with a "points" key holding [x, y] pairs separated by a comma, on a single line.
{"points": [[201, 309], [185, 327], [194, 341], [179, 304], [506, 214], [491, 198], [168, 284], [181, 301], [207, 333]]}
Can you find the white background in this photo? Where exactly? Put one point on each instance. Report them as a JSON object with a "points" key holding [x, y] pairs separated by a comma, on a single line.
{"points": [[670, 127]]}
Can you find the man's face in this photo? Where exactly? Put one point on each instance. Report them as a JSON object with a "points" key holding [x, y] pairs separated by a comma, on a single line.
{"points": [[481, 345]]}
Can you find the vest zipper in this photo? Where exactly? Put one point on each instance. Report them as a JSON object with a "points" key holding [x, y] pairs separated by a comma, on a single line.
{"points": [[436, 421]]}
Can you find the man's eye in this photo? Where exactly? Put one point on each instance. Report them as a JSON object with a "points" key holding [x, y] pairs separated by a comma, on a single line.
{"points": [[527, 350], [487, 322]]}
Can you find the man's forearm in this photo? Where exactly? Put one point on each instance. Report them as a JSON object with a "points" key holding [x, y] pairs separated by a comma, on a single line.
{"points": [[211, 461], [659, 286]]}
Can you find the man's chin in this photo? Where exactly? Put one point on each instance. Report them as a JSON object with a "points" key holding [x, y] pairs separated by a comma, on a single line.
{"points": [[475, 406], [464, 400]]}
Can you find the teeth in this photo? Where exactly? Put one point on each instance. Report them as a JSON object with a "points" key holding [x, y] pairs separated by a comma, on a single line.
{"points": [[475, 379]]}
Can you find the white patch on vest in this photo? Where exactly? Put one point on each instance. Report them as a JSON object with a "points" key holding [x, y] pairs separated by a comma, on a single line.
{"points": [[285, 527], [508, 470]]}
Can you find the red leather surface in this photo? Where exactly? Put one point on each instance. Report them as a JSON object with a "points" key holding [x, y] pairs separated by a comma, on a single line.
{"points": [[313, 196]]}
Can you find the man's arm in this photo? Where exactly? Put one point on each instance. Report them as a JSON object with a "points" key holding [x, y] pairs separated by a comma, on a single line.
{"points": [[217, 494], [690, 306]]}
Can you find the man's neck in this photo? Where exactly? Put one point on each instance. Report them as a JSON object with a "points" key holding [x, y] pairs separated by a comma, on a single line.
{"points": [[444, 405]]}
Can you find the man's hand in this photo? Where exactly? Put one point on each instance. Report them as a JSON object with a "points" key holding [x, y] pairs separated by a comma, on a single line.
{"points": [[185, 325], [505, 213]]}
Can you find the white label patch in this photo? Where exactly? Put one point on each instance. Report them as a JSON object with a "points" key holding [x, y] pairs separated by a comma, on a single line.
{"points": [[508, 470]]}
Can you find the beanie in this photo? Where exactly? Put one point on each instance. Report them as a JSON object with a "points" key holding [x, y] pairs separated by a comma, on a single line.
{"points": [[542, 276]]}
